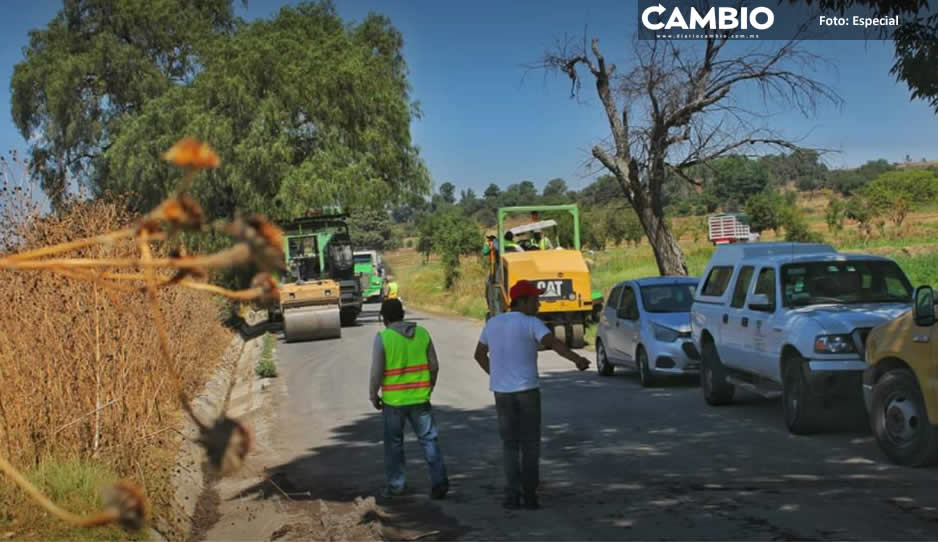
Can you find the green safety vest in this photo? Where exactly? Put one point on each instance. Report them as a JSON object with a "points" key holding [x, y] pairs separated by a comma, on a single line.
{"points": [[406, 368], [542, 244], [392, 290]]}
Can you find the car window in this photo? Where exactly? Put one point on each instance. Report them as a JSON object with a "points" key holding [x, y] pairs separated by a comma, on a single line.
{"points": [[627, 306], [859, 281], [668, 297], [765, 284], [613, 300], [742, 286], [717, 281]]}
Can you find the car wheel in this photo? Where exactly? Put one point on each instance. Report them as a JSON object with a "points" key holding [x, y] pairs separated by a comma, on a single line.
{"points": [[798, 403], [603, 367], [900, 421], [716, 390], [645, 376]]}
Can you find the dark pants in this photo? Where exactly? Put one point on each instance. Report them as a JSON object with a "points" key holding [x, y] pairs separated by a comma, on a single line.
{"points": [[519, 424], [421, 420]]}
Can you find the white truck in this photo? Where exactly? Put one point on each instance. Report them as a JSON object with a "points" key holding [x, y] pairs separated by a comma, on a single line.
{"points": [[791, 319], [729, 228]]}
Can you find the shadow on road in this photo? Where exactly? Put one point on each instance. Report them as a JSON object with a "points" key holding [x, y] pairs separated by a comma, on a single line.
{"points": [[609, 449]]}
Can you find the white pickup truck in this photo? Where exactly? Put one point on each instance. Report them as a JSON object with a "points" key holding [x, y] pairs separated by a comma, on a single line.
{"points": [[791, 319]]}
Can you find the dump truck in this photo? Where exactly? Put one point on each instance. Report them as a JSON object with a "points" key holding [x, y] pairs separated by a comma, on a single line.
{"points": [[368, 265], [322, 292], [567, 302]]}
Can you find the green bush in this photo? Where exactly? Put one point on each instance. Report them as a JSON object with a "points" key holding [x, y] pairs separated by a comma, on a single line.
{"points": [[266, 367]]}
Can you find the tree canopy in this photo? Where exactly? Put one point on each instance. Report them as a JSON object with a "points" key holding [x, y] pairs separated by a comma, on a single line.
{"points": [[304, 109]]}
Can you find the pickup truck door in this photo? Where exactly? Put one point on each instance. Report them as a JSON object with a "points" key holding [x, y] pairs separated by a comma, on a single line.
{"points": [[760, 333], [627, 334], [732, 333]]}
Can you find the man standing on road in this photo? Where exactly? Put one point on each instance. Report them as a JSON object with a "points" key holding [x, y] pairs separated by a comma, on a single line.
{"points": [[404, 367], [507, 352]]}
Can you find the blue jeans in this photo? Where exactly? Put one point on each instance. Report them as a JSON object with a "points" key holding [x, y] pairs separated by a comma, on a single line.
{"points": [[421, 421]]}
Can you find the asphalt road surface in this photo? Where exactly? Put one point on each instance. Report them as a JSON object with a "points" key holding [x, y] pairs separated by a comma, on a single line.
{"points": [[618, 461]]}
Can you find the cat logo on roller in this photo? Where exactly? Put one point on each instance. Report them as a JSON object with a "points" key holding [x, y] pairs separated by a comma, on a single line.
{"points": [[551, 287]]}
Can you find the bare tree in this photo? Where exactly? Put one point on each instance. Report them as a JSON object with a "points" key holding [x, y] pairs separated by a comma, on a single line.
{"points": [[691, 114]]}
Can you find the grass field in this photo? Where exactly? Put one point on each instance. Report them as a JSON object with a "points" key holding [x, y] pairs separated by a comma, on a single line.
{"points": [[914, 247]]}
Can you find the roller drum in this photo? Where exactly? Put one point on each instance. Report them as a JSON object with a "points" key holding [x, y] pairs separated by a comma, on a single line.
{"points": [[309, 323]]}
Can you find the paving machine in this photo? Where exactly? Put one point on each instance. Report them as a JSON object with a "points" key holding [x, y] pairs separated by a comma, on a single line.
{"points": [[322, 292], [567, 302]]}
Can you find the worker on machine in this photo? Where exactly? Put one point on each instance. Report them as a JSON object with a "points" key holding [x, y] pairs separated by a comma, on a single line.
{"points": [[542, 242], [510, 244]]}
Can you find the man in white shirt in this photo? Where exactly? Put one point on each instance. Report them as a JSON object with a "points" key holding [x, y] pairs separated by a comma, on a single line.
{"points": [[507, 352]]}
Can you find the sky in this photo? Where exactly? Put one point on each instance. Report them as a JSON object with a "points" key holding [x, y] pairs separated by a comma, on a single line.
{"points": [[486, 118]]}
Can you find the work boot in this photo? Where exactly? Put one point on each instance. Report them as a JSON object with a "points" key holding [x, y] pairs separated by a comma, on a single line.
{"points": [[388, 492], [439, 491], [512, 502], [530, 502]]}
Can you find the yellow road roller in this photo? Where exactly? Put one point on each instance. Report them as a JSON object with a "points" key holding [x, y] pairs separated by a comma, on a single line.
{"points": [[309, 298], [561, 271]]}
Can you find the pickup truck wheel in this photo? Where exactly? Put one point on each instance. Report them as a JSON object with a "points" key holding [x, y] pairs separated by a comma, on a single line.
{"points": [[900, 421], [797, 399], [716, 390], [645, 376], [603, 367]]}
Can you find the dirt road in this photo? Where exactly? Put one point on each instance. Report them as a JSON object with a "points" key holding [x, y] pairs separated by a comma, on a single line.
{"points": [[618, 461]]}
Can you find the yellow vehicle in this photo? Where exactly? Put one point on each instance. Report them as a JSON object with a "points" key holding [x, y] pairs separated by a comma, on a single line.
{"points": [[567, 301], [900, 386]]}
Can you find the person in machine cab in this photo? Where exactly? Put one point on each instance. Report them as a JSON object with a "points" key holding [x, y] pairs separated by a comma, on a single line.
{"points": [[542, 242], [510, 244]]}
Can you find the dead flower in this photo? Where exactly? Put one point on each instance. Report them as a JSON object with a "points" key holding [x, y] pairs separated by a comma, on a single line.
{"points": [[270, 293], [191, 153], [182, 212], [226, 443], [264, 239], [128, 502]]}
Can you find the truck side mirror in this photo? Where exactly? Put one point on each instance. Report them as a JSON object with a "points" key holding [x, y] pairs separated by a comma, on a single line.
{"points": [[924, 306], [761, 302]]}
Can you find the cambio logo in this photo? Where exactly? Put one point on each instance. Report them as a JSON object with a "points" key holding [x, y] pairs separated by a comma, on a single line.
{"points": [[723, 18]]}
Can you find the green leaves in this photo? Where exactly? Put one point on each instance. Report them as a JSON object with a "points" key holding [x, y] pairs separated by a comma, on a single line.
{"points": [[304, 109], [896, 193]]}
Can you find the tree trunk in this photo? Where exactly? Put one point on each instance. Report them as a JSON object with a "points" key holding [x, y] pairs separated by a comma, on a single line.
{"points": [[668, 253]]}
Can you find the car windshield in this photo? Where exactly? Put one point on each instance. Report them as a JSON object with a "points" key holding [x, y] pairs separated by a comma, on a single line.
{"points": [[668, 297], [859, 281], [360, 259]]}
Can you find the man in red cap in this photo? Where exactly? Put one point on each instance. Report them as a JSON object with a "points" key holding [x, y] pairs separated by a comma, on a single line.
{"points": [[507, 352]]}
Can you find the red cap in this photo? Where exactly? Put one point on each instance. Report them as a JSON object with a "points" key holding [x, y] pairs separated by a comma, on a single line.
{"points": [[524, 288]]}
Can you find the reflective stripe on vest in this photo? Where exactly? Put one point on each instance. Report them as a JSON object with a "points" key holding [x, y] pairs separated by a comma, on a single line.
{"points": [[406, 368], [392, 290]]}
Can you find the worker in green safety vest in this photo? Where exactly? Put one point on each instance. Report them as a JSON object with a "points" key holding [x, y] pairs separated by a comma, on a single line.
{"points": [[510, 245], [404, 367], [542, 242]]}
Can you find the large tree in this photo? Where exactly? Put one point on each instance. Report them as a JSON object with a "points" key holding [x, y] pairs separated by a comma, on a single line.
{"points": [[304, 109], [98, 62], [687, 91]]}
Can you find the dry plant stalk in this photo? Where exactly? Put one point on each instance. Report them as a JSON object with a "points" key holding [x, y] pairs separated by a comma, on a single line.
{"points": [[226, 441]]}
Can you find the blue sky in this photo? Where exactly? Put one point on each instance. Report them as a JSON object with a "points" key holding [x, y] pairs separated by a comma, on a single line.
{"points": [[483, 124]]}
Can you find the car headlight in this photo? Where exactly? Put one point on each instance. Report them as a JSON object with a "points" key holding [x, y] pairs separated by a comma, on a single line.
{"points": [[834, 344], [665, 334]]}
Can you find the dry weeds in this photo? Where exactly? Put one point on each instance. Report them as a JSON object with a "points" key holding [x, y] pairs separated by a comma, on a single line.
{"points": [[107, 330]]}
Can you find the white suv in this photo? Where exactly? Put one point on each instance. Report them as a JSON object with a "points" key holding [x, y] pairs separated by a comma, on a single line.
{"points": [[791, 318]]}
